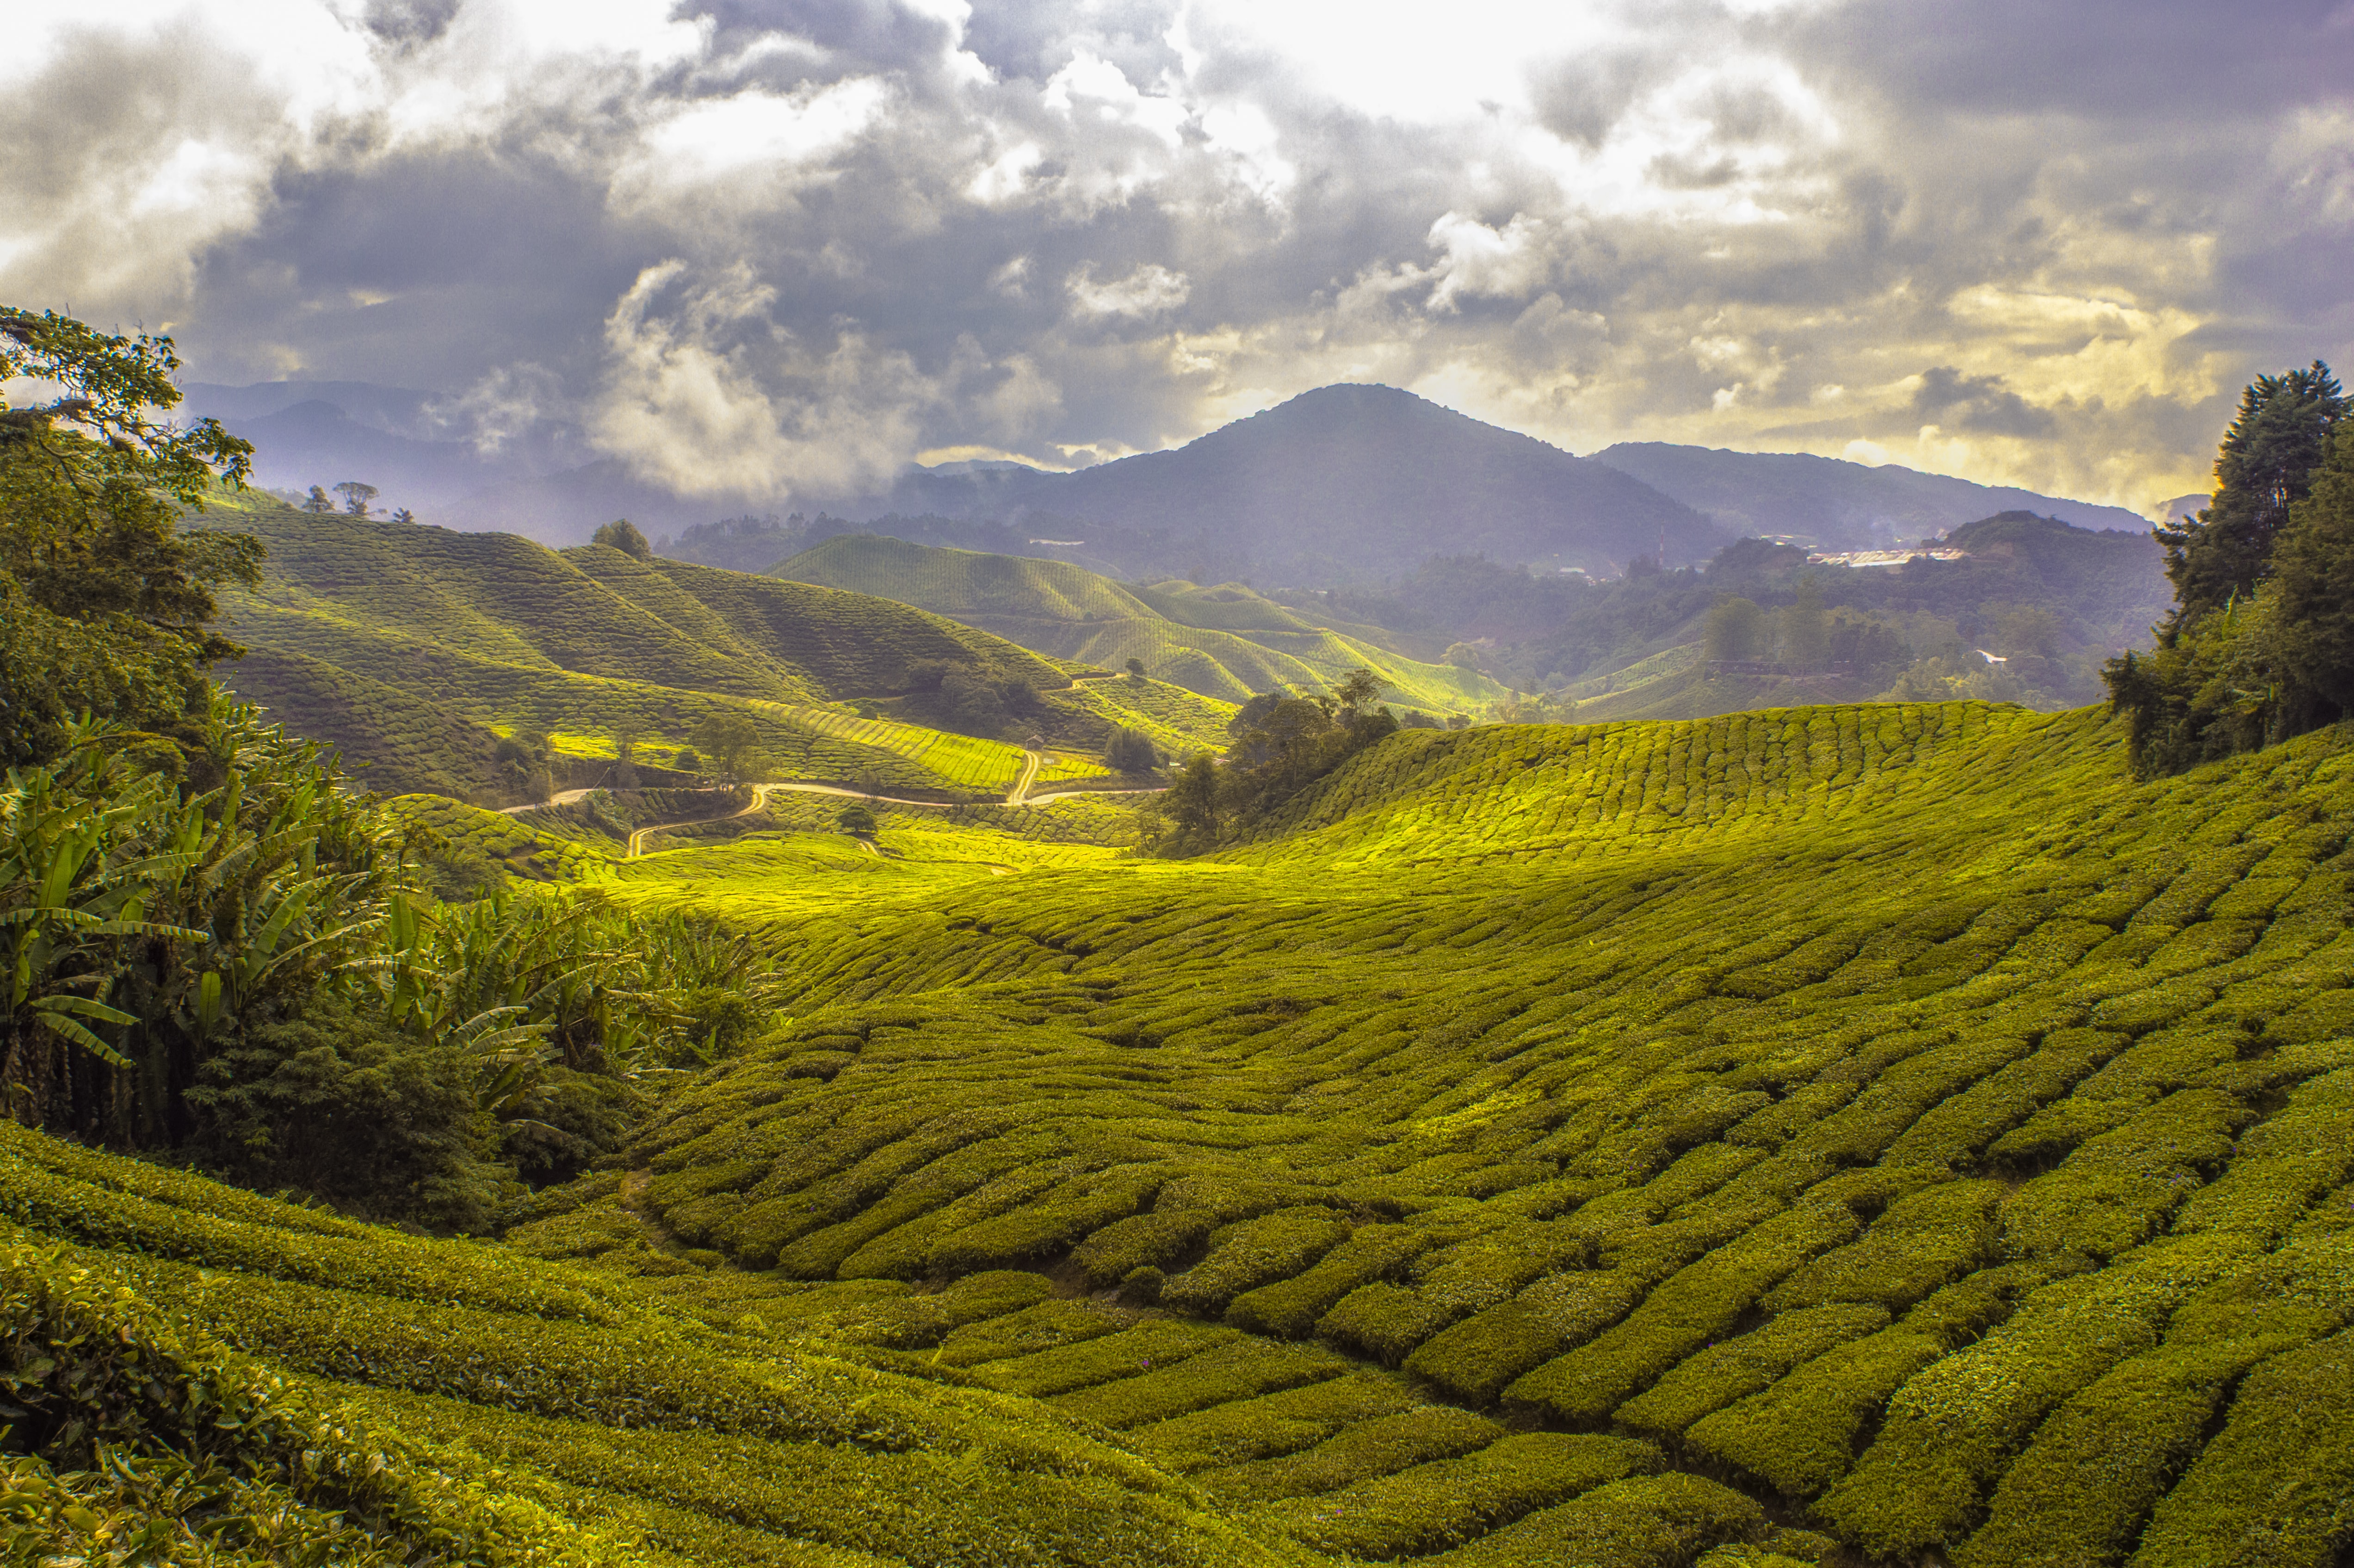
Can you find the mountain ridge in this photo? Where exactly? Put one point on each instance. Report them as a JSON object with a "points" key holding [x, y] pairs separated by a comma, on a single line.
{"points": [[1835, 504]]}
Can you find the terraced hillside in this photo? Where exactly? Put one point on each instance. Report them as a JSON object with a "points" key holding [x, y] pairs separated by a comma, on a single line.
{"points": [[413, 649], [1226, 643], [1832, 1136], [1887, 1126]]}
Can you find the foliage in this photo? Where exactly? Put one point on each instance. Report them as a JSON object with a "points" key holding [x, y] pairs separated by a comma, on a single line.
{"points": [[1283, 743], [1131, 751], [1225, 642], [732, 744], [623, 534], [137, 1441], [1590, 645], [2279, 437], [2256, 648], [1614, 1132], [338, 1104], [1736, 628], [146, 919], [106, 601], [414, 650]]}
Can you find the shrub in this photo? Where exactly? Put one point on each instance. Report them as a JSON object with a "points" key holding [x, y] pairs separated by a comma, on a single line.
{"points": [[341, 1106], [1380, 1446], [1432, 1506], [1239, 1369], [1737, 1368], [1251, 1253], [1290, 1307], [1269, 1424]]}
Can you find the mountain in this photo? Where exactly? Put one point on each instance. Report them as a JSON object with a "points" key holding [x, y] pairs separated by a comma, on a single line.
{"points": [[413, 648], [1351, 485], [1833, 504], [1224, 641], [317, 443], [541, 482]]}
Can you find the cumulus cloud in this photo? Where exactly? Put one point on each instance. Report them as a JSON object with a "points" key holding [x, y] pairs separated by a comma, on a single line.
{"points": [[752, 248], [705, 395]]}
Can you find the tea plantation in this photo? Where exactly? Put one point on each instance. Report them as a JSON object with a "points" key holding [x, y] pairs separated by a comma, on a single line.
{"points": [[1888, 1122], [414, 649], [1226, 643], [1834, 1136]]}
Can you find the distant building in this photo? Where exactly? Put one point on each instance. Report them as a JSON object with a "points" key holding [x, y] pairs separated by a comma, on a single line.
{"points": [[1883, 557]]}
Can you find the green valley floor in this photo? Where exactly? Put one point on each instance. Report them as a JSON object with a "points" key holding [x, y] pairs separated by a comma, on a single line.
{"points": [[1841, 1135]]}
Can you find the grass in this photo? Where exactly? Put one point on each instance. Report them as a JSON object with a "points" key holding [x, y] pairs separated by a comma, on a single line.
{"points": [[1545, 1144]]}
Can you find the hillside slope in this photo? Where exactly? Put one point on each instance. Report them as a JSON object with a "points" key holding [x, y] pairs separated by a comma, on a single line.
{"points": [[1894, 1112], [1225, 642], [412, 648]]}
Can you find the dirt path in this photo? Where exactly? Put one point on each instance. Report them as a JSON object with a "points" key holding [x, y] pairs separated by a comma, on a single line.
{"points": [[638, 839], [760, 793], [1030, 762], [561, 798]]}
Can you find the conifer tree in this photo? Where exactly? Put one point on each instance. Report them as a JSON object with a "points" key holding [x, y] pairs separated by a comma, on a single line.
{"points": [[2312, 593], [2262, 470]]}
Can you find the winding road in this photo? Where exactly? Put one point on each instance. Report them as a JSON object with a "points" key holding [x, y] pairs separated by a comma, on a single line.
{"points": [[1031, 761]]}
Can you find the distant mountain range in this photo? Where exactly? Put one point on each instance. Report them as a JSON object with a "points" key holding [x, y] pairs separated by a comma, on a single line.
{"points": [[1838, 506], [1346, 484]]}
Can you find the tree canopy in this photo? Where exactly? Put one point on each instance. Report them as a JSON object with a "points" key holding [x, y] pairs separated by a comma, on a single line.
{"points": [[623, 536], [106, 596], [2259, 645], [2262, 469]]}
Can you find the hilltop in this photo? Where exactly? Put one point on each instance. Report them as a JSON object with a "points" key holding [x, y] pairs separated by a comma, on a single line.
{"points": [[415, 649], [1223, 641], [1833, 504]]}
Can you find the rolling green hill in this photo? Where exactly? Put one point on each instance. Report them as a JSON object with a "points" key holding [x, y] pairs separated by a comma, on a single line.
{"points": [[1818, 1135], [413, 649], [1226, 643]]}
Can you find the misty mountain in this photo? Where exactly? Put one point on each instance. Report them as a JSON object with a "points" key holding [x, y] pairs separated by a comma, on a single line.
{"points": [[323, 433], [1833, 504], [318, 443], [1344, 484]]}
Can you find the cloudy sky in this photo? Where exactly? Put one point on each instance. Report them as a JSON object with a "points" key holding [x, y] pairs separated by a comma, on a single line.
{"points": [[755, 245]]}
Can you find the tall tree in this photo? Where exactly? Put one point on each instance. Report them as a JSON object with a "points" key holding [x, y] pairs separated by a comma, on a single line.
{"points": [[2262, 470], [1736, 627], [732, 742], [1806, 633], [1190, 804], [108, 594], [2253, 651], [2312, 601], [356, 496]]}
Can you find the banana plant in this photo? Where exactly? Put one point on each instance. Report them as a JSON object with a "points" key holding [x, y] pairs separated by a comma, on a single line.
{"points": [[139, 918]]}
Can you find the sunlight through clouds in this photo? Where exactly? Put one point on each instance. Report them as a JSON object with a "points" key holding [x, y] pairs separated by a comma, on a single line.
{"points": [[1533, 211]]}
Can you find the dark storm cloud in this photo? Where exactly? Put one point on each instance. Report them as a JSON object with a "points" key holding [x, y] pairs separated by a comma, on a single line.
{"points": [[1978, 403], [793, 244]]}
